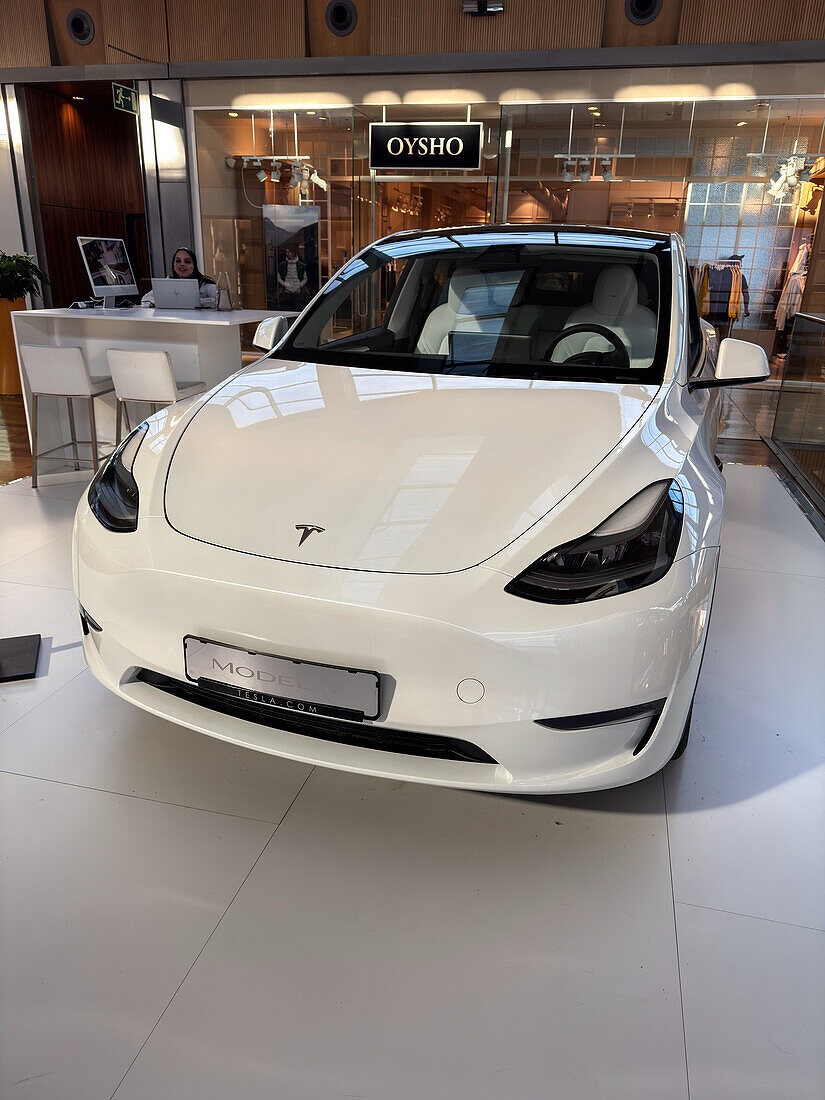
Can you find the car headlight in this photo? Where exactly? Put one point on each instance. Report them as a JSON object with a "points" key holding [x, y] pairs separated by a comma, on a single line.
{"points": [[634, 546], [113, 494]]}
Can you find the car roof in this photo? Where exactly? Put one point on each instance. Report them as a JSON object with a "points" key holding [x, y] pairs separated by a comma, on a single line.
{"points": [[497, 229]]}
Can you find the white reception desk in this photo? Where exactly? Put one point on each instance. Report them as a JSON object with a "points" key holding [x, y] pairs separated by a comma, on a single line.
{"points": [[204, 345]]}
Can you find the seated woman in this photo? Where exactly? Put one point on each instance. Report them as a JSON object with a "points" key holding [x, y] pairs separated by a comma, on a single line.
{"points": [[185, 266]]}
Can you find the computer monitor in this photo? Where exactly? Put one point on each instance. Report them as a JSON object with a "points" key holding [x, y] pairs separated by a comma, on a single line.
{"points": [[108, 267]]}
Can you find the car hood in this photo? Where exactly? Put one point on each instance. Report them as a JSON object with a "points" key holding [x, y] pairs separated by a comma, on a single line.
{"points": [[397, 472]]}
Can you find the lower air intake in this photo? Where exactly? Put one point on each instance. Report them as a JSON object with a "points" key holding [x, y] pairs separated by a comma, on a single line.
{"points": [[325, 729]]}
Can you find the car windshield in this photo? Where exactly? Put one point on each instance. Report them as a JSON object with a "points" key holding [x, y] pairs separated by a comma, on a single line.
{"points": [[548, 305]]}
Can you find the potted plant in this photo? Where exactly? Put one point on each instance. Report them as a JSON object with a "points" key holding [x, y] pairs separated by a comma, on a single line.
{"points": [[19, 276]]}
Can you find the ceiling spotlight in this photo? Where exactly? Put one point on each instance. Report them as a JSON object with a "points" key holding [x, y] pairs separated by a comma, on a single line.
{"points": [[585, 175], [233, 114], [804, 175], [276, 167], [569, 170], [316, 179], [296, 177], [261, 175], [607, 174]]}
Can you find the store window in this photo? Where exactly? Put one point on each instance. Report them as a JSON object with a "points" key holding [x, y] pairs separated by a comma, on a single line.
{"points": [[277, 195], [287, 197]]}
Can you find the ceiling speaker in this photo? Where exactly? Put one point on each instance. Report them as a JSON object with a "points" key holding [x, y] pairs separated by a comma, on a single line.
{"points": [[642, 11], [80, 26], [342, 15]]}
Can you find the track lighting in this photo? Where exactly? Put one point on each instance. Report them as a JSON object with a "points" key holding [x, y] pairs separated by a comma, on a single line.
{"points": [[261, 175], [229, 162], [569, 170], [607, 174], [585, 175]]}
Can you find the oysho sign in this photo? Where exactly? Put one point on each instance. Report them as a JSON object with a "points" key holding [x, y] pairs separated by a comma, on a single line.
{"points": [[407, 146]]}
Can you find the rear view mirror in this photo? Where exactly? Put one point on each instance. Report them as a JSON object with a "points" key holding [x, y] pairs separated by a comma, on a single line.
{"points": [[739, 362], [270, 332]]}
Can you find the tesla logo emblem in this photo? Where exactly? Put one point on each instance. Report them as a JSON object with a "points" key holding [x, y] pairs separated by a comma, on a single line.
{"points": [[307, 529]]}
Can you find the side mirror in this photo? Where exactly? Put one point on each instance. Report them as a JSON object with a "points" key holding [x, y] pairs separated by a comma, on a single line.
{"points": [[739, 362], [270, 332]]}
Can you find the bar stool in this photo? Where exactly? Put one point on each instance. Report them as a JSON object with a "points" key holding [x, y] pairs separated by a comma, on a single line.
{"points": [[145, 376], [62, 372]]}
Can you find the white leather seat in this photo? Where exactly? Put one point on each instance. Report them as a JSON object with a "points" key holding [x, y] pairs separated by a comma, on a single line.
{"points": [[615, 306], [470, 294], [62, 372], [145, 376]]}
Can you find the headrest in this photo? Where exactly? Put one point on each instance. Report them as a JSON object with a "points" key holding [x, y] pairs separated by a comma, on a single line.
{"points": [[616, 291], [463, 279]]}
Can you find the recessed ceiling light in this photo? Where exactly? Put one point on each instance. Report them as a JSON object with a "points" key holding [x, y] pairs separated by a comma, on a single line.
{"points": [[741, 124], [233, 114], [592, 108], [79, 98], [310, 112], [597, 114]]}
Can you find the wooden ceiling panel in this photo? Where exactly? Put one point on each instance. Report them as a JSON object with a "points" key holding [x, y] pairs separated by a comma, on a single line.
{"points": [[25, 37], [136, 26], [213, 30], [438, 26], [720, 21]]}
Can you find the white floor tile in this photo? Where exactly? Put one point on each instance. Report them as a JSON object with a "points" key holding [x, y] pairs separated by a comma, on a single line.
{"points": [[50, 566], [405, 941], [69, 485], [29, 522], [106, 903], [51, 612], [754, 996], [764, 528], [745, 803], [86, 735]]}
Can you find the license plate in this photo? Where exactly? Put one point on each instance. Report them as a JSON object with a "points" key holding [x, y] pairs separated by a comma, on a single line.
{"points": [[300, 686]]}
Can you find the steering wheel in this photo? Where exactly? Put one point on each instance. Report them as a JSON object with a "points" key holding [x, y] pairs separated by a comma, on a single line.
{"points": [[590, 358]]}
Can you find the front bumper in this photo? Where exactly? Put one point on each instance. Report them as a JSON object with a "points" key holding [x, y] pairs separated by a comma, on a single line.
{"points": [[424, 635]]}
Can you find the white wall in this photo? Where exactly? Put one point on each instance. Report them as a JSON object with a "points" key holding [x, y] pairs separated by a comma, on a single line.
{"points": [[11, 238]]}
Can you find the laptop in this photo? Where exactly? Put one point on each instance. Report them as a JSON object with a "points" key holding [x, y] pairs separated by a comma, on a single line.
{"points": [[176, 293]]}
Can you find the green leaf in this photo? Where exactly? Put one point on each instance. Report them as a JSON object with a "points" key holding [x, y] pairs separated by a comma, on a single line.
{"points": [[19, 276]]}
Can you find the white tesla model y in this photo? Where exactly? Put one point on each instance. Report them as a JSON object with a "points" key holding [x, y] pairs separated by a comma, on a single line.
{"points": [[461, 525]]}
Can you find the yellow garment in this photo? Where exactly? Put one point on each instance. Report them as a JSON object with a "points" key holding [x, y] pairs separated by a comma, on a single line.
{"points": [[702, 299], [735, 300]]}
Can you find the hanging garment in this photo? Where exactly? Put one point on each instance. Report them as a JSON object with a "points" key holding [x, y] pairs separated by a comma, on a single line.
{"points": [[790, 299], [721, 291], [800, 260], [703, 293]]}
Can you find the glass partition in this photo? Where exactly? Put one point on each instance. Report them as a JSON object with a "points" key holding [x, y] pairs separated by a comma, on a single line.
{"points": [[287, 197], [799, 427], [276, 200]]}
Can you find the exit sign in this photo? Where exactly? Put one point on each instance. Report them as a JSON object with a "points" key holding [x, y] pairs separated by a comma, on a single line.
{"points": [[125, 99]]}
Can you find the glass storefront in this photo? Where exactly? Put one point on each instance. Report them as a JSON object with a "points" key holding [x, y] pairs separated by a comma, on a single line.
{"points": [[286, 197]]}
